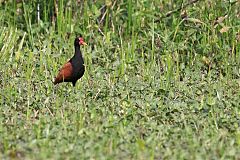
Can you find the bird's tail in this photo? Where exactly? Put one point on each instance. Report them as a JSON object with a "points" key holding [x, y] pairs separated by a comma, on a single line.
{"points": [[55, 82]]}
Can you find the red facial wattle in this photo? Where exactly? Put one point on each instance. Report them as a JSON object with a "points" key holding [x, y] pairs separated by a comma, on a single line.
{"points": [[81, 41]]}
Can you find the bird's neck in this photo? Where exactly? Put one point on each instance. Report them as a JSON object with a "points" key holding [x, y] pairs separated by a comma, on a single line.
{"points": [[78, 53]]}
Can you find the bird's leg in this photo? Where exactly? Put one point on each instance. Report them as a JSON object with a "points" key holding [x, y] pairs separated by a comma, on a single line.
{"points": [[74, 83]]}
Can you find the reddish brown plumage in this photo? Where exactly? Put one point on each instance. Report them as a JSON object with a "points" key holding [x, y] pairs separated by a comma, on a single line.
{"points": [[64, 74]]}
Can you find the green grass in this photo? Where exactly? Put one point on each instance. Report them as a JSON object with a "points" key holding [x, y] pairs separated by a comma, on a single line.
{"points": [[155, 87]]}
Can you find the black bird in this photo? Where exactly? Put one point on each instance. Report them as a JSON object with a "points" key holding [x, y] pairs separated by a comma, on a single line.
{"points": [[74, 69]]}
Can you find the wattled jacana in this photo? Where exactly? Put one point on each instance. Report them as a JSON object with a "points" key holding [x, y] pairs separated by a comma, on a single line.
{"points": [[74, 69]]}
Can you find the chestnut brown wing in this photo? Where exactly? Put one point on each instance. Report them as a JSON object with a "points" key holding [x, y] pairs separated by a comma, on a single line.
{"points": [[65, 73]]}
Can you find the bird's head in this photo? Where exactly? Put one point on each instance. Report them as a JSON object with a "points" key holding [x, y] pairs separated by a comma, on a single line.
{"points": [[79, 41]]}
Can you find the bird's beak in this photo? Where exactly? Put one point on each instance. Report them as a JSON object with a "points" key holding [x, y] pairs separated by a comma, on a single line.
{"points": [[83, 43]]}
